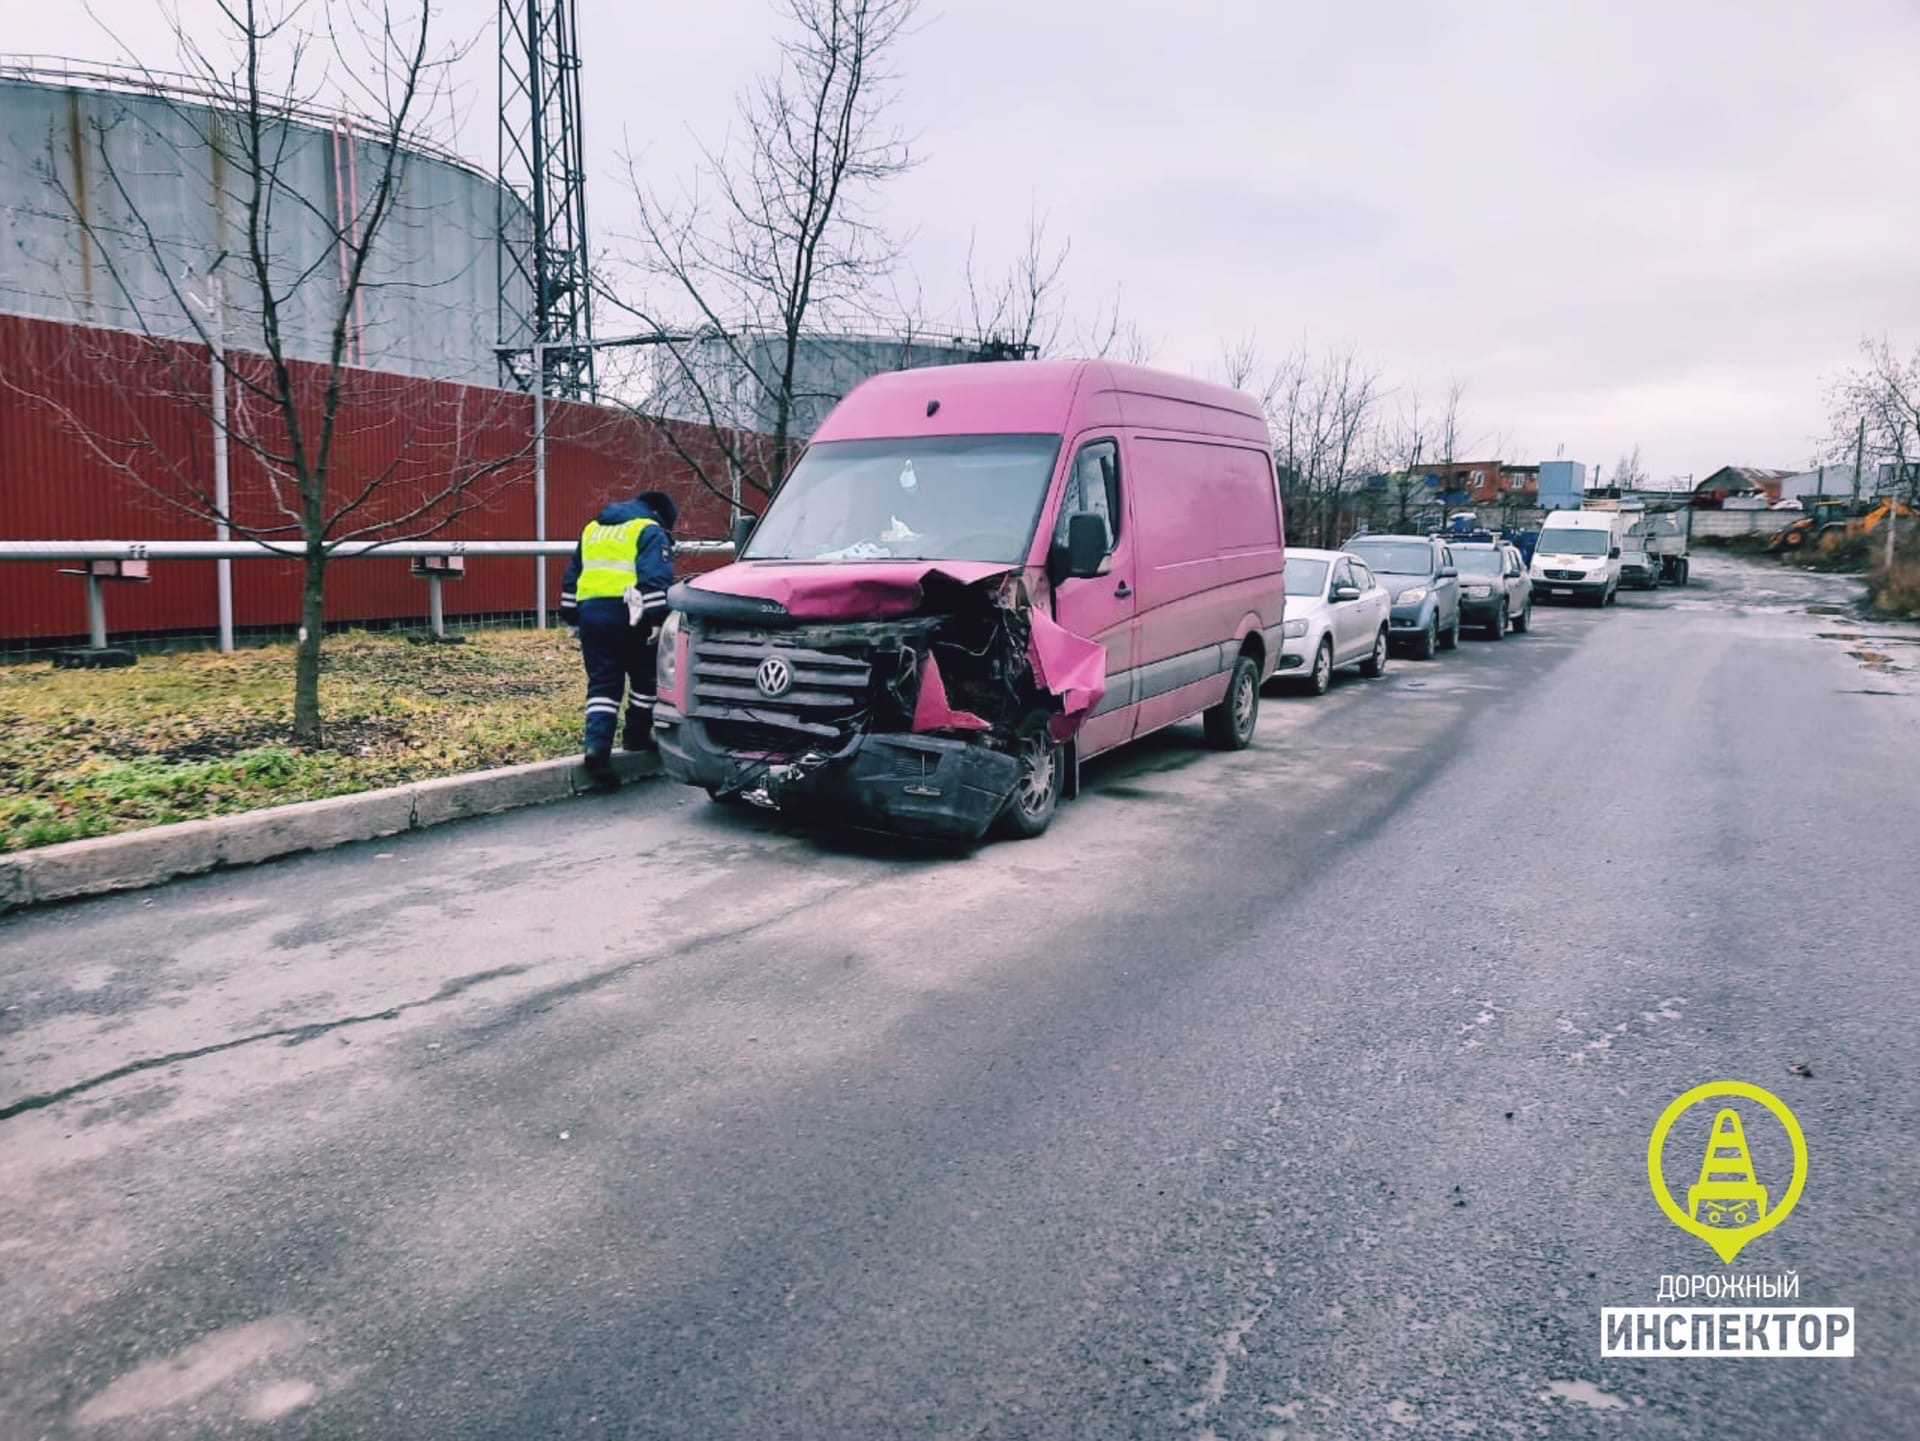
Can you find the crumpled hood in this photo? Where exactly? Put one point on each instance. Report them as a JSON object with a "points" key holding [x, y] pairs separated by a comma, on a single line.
{"points": [[842, 590], [1070, 667]]}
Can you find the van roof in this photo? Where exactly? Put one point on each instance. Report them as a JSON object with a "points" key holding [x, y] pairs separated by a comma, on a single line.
{"points": [[1039, 397], [1581, 520]]}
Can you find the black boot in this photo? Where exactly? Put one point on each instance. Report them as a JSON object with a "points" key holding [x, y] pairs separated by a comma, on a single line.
{"points": [[599, 766], [638, 735]]}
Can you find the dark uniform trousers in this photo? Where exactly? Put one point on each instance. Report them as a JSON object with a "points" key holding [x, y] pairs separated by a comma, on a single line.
{"points": [[619, 657]]}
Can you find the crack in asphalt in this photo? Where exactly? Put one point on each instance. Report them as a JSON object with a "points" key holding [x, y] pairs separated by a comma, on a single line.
{"points": [[292, 1035], [540, 1001]]}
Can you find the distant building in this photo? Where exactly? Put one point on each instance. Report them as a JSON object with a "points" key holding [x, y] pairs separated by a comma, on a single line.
{"points": [[1520, 482], [1731, 482], [1478, 482], [1828, 480], [1674, 486], [734, 380], [1889, 477], [1563, 483]]}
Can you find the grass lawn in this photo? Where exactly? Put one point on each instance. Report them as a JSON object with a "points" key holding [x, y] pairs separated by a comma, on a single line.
{"points": [[178, 737]]}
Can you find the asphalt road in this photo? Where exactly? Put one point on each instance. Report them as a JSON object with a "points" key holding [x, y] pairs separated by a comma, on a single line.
{"points": [[1303, 1093]]}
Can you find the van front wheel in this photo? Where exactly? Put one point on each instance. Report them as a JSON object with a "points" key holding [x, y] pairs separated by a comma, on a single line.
{"points": [[1230, 724], [1036, 795]]}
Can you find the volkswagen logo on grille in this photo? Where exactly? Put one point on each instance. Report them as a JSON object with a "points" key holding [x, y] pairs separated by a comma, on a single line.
{"points": [[775, 677]]}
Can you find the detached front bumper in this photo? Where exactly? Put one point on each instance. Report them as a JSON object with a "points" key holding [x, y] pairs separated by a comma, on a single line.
{"points": [[909, 784]]}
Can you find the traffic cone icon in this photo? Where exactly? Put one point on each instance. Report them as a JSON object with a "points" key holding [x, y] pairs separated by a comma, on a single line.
{"points": [[1727, 1193]]}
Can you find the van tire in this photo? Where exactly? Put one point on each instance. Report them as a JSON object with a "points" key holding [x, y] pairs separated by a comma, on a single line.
{"points": [[1375, 665], [1230, 724], [1029, 810]]}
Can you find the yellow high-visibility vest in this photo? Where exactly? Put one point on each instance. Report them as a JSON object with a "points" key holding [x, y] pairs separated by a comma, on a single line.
{"points": [[607, 559]]}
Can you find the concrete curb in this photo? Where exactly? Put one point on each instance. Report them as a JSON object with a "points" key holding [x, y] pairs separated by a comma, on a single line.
{"points": [[161, 853]]}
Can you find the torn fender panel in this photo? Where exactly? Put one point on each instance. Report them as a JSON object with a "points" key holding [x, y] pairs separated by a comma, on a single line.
{"points": [[1068, 666], [864, 590], [933, 712]]}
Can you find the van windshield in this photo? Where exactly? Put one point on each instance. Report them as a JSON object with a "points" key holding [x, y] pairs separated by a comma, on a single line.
{"points": [[949, 497], [1565, 540]]}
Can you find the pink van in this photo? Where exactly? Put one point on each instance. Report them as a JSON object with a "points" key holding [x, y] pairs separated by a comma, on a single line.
{"points": [[977, 577]]}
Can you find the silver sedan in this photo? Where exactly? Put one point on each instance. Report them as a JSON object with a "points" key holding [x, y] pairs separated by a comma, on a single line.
{"points": [[1336, 616]]}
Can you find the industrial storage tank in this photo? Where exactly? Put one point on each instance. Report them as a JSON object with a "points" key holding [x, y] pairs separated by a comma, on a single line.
{"points": [[105, 175]]}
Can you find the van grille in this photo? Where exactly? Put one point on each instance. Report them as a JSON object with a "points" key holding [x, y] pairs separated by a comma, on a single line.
{"points": [[829, 687], [1566, 575]]}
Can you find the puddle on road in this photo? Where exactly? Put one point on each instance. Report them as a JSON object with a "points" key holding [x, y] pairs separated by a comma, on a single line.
{"points": [[1583, 1393]]}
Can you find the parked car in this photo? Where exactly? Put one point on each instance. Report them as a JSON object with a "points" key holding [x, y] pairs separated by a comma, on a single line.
{"points": [[1419, 574], [1578, 557], [1336, 616], [976, 577], [1495, 594]]}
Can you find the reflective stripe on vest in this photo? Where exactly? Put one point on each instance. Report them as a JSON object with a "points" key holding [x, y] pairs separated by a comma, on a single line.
{"points": [[608, 555]]}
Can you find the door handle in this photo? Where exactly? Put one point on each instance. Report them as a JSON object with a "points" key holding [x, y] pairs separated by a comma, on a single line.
{"points": [[1123, 590]]}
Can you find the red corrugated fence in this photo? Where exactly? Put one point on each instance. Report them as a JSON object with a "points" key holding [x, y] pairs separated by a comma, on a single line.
{"points": [[106, 436]]}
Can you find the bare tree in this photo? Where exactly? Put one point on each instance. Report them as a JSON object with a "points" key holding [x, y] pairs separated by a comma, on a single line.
{"points": [[1628, 472], [1243, 365], [775, 238], [1322, 416], [1408, 445], [297, 267], [1111, 336], [1019, 315], [1877, 405]]}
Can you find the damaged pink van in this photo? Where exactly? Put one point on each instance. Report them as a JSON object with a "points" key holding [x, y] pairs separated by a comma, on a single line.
{"points": [[977, 577]]}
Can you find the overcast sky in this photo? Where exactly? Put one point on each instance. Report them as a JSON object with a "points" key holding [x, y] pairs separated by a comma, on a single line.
{"points": [[1667, 223]]}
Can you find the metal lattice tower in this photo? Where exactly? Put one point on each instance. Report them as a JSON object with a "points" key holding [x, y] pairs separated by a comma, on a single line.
{"points": [[546, 299]]}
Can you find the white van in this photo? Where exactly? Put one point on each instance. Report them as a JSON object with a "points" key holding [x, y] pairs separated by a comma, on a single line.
{"points": [[1577, 556]]}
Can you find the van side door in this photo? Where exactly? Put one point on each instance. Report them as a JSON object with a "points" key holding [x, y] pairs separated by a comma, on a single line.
{"points": [[1100, 608]]}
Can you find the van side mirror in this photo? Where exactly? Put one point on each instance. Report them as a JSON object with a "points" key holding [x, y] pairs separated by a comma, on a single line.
{"points": [[1448, 572], [742, 532], [1085, 551], [1614, 554]]}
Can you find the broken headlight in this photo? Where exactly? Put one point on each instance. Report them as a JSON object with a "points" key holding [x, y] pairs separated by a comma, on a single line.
{"points": [[668, 676]]}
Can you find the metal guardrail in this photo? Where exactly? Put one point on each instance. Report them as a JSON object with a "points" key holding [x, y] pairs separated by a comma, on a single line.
{"points": [[435, 561]]}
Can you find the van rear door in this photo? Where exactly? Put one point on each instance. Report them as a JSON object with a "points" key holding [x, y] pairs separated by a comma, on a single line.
{"points": [[1101, 607]]}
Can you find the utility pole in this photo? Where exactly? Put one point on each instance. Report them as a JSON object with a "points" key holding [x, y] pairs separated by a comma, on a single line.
{"points": [[540, 480], [222, 490], [1859, 450]]}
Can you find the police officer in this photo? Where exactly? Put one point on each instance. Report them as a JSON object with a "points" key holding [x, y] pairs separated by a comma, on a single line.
{"points": [[615, 591]]}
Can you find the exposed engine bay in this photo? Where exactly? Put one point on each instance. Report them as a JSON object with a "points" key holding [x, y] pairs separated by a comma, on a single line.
{"points": [[914, 720]]}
